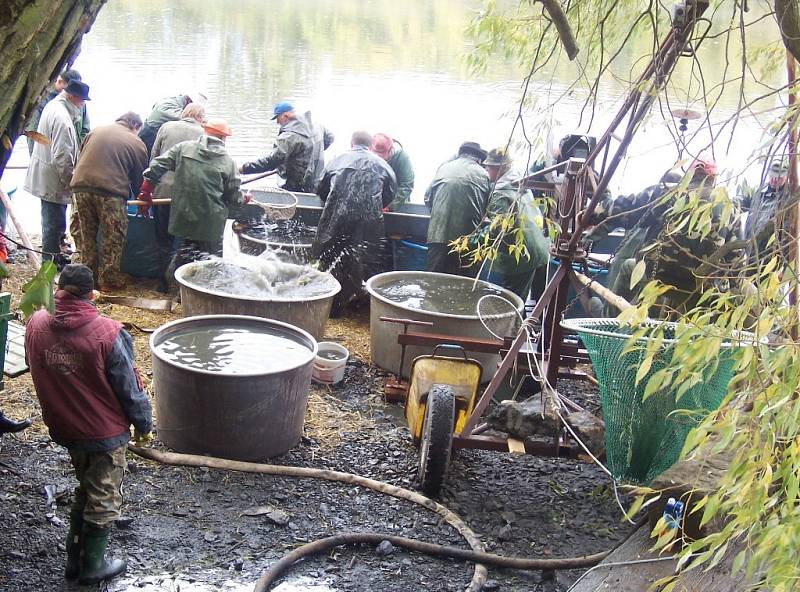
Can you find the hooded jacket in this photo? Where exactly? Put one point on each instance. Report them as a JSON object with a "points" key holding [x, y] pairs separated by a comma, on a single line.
{"points": [[51, 167], [164, 110], [403, 172], [206, 185], [357, 185], [81, 365], [170, 134], [297, 154], [457, 197], [515, 275]]}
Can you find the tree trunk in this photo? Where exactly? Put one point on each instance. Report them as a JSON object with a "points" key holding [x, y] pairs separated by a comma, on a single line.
{"points": [[787, 13], [38, 38]]}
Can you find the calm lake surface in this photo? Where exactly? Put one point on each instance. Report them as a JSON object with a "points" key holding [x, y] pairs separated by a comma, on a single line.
{"points": [[396, 67]]}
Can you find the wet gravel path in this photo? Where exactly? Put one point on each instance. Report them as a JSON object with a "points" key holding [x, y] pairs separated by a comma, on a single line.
{"points": [[196, 529]]}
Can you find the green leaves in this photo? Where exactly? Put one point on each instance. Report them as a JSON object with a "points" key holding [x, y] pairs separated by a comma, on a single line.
{"points": [[38, 292], [638, 273]]}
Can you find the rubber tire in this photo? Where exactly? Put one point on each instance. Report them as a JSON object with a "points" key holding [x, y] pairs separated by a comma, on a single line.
{"points": [[437, 438]]}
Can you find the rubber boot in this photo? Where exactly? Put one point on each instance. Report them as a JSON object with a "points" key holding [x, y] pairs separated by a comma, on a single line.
{"points": [[74, 537], [8, 426], [96, 567]]}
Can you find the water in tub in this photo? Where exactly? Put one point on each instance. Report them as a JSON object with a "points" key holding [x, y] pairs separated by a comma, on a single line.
{"points": [[232, 350], [444, 295]]}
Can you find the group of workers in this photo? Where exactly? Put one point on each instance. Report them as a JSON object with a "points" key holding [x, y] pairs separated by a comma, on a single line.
{"points": [[82, 364]]}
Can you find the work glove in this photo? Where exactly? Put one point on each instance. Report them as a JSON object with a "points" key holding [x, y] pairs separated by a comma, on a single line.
{"points": [[248, 197], [145, 194], [140, 439]]}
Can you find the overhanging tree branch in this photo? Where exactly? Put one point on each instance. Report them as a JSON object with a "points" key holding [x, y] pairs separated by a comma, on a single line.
{"points": [[559, 19]]}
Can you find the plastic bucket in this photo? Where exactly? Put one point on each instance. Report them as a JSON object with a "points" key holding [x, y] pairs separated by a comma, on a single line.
{"points": [[329, 364]]}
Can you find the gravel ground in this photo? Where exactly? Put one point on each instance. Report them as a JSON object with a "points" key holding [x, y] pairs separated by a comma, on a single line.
{"points": [[189, 529], [200, 530]]}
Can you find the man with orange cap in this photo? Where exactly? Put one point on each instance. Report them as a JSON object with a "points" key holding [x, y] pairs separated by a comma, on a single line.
{"points": [[206, 185]]}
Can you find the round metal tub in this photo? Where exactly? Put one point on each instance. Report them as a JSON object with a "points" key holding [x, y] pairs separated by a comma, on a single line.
{"points": [[310, 314], [384, 349], [289, 252], [290, 240], [237, 416]]}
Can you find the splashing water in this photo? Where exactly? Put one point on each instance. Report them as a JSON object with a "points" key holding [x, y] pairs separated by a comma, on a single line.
{"points": [[263, 276]]}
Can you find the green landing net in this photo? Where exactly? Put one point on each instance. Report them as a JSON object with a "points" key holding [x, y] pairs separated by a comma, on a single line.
{"points": [[644, 437]]}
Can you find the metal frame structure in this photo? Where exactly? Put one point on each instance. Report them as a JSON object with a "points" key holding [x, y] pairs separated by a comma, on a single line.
{"points": [[581, 186]]}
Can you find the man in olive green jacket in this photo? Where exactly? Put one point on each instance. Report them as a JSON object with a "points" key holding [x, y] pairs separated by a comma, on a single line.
{"points": [[397, 158], [457, 197], [507, 270], [206, 185]]}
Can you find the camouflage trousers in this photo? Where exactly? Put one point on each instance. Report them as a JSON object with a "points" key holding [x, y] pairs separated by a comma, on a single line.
{"points": [[99, 492], [93, 213]]}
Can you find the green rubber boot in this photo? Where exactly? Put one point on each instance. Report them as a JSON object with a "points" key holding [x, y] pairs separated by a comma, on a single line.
{"points": [[96, 567], [73, 545]]}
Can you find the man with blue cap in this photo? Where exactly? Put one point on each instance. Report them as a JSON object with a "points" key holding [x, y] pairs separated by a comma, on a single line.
{"points": [[297, 154]]}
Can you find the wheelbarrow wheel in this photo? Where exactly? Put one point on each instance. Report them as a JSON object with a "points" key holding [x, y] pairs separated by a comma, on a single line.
{"points": [[437, 438]]}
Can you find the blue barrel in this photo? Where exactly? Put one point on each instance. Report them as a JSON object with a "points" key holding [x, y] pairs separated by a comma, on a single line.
{"points": [[409, 256], [140, 255]]}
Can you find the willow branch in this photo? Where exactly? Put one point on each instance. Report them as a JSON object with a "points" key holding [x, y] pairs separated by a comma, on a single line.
{"points": [[559, 19]]}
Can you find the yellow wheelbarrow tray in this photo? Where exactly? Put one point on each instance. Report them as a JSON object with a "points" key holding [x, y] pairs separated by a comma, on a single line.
{"points": [[441, 396]]}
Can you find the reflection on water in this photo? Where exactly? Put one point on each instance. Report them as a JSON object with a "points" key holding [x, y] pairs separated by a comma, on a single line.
{"points": [[382, 66], [233, 351]]}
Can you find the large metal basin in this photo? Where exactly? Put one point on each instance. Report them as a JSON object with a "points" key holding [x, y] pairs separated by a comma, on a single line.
{"points": [[310, 314], [384, 349], [238, 416]]}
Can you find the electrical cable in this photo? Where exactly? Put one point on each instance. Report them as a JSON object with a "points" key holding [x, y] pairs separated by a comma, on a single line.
{"points": [[21, 246]]}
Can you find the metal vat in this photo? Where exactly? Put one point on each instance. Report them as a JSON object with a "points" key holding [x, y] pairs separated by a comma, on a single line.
{"points": [[238, 416], [310, 314], [384, 349]]}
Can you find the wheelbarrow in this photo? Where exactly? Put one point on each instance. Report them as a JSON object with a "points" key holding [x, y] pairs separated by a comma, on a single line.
{"points": [[441, 396]]}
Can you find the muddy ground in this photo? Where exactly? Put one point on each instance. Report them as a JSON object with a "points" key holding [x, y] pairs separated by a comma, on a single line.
{"points": [[189, 529]]}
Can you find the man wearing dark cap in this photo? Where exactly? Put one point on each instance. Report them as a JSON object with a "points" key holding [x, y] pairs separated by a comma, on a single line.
{"points": [[90, 393], [52, 163], [81, 125], [297, 154], [457, 197]]}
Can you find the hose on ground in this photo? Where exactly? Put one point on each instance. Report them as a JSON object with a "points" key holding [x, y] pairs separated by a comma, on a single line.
{"points": [[320, 546], [192, 460]]}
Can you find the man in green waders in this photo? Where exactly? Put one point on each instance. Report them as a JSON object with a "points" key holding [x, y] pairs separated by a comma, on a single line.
{"points": [[506, 199]]}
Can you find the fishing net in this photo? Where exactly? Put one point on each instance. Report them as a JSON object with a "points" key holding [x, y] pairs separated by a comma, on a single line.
{"points": [[644, 437]]}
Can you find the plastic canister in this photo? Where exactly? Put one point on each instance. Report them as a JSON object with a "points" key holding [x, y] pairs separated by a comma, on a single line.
{"points": [[330, 362]]}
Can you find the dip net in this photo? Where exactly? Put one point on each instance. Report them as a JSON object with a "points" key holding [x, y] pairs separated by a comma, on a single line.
{"points": [[644, 437]]}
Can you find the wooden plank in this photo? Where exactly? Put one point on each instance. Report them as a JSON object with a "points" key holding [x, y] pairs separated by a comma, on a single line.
{"points": [[627, 578], [516, 446], [638, 577]]}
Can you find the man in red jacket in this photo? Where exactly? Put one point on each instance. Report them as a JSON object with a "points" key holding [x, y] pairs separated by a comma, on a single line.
{"points": [[90, 393]]}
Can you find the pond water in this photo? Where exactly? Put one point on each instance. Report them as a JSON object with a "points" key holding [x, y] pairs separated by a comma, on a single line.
{"points": [[396, 67], [233, 351]]}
